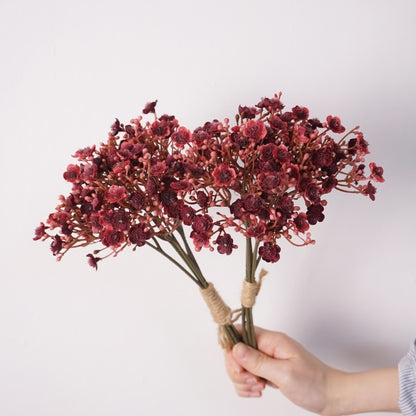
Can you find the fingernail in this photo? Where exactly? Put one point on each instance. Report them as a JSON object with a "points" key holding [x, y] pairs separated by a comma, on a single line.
{"points": [[240, 350]]}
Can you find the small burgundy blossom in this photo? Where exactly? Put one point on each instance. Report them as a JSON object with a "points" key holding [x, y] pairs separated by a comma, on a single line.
{"points": [[313, 193], [202, 223], [89, 172], [362, 145], [137, 201], [293, 173], [86, 209], [151, 187], [282, 154], [112, 238], [256, 231], [120, 220], [225, 244], [329, 184], [200, 135], [139, 233], [237, 209], [187, 214], [56, 245], [223, 175], [129, 149], [168, 198], [252, 204], [334, 123], [300, 113], [272, 104], [181, 137], [315, 214], [194, 170], [359, 172], [116, 193], [58, 219], [268, 182], [376, 172], [40, 232], [269, 252], [129, 130], [254, 129], [266, 151], [171, 121], [301, 222], [358, 145], [160, 129], [200, 239], [277, 123], [285, 204], [299, 134], [116, 127], [287, 117], [322, 157], [247, 112], [96, 222], [158, 169], [202, 199], [83, 154], [239, 139], [315, 123], [150, 107], [370, 190], [72, 173], [92, 261]]}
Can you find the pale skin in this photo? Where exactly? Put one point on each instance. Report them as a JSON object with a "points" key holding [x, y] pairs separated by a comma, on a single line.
{"points": [[307, 381]]}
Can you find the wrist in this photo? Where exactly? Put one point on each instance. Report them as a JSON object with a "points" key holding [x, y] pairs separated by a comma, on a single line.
{"points": [[368, 391]]}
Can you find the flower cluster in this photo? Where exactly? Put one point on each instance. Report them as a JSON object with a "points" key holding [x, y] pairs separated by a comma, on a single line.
{"points": [[125, 192], [265, 177], [273, 169]]}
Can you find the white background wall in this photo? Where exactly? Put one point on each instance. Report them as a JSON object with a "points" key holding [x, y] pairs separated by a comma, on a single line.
{"points": [[135, 338]]}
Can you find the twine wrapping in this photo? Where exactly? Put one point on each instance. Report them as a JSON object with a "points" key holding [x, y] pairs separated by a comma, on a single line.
{"points": [[250, 290], [220, 312]]}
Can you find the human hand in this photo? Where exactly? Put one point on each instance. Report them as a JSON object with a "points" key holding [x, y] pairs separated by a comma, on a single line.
{"points": [[299, 375], [307, 381]]}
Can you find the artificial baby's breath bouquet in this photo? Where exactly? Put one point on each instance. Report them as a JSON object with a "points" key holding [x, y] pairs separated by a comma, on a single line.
{"points": [[156, 183]]}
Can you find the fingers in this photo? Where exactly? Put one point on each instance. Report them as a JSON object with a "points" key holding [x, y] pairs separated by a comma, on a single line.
{"points": [[256, 362], [276, 344], [246, 384]]}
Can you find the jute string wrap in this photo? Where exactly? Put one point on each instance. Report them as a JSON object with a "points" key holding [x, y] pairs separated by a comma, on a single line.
{"points": [[220, 312], [251, 290]]}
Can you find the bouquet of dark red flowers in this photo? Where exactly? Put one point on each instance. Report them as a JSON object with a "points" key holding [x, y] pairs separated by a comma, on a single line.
{"points": [[156, 183]]}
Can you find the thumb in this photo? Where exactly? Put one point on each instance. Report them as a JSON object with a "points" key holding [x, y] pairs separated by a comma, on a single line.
{"points": [[255, 362]]}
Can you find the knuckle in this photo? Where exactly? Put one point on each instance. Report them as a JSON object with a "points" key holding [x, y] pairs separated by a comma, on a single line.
{"points": [[258, 363]]}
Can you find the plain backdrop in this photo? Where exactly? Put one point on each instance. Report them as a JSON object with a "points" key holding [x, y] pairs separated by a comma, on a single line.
{"points": [[134, 338]]}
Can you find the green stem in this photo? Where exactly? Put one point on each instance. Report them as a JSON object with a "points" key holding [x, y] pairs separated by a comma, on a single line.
{"points": [[187, 248], [232, 334], [171, 239], [249, 260], [159, 249], [254, 261], [187, 256], [249, 336]]}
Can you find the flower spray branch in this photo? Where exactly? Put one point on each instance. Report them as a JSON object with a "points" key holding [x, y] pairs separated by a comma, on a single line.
{"points": [[130, 192], [272, 171]]}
